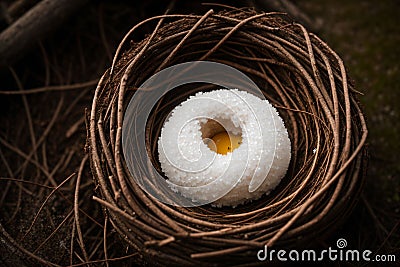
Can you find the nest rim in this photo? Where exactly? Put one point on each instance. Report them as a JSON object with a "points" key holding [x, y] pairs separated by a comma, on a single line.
{"points": [[329, 107]]}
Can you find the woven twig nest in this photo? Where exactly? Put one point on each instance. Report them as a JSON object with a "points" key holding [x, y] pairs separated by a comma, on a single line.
{"points": [[298, 73]]}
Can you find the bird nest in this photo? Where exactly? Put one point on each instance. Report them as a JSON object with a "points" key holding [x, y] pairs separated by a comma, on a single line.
{"points": [[298, 73]]}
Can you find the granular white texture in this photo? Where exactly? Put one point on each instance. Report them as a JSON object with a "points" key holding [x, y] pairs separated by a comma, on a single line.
{"points": [[254, 168]]}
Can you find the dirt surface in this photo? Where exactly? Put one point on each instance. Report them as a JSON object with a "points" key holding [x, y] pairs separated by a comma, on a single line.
{"points": [[43, 135]]}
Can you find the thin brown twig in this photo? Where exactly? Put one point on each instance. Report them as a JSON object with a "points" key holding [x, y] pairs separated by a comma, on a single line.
{"points": [[26, 182], [28, 113], [71, 251], [54, 231], [51, 88], [46, 64], [105, 240], [76, 209], [74, 127], [109, 260], [40, 141], [44, 203]]}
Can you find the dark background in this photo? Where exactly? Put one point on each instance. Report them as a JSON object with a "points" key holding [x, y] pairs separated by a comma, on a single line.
{"points": [[364, 33]]}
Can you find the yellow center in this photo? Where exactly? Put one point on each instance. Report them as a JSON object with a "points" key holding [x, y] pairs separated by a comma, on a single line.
{"points": [[223, 144]]}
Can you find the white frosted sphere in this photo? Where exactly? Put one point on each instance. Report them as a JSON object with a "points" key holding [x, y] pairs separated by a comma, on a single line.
{"points": [[254, 168]]}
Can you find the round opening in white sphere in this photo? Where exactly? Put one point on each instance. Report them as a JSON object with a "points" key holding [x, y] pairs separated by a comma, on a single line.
{"points": [[224, 147]]}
